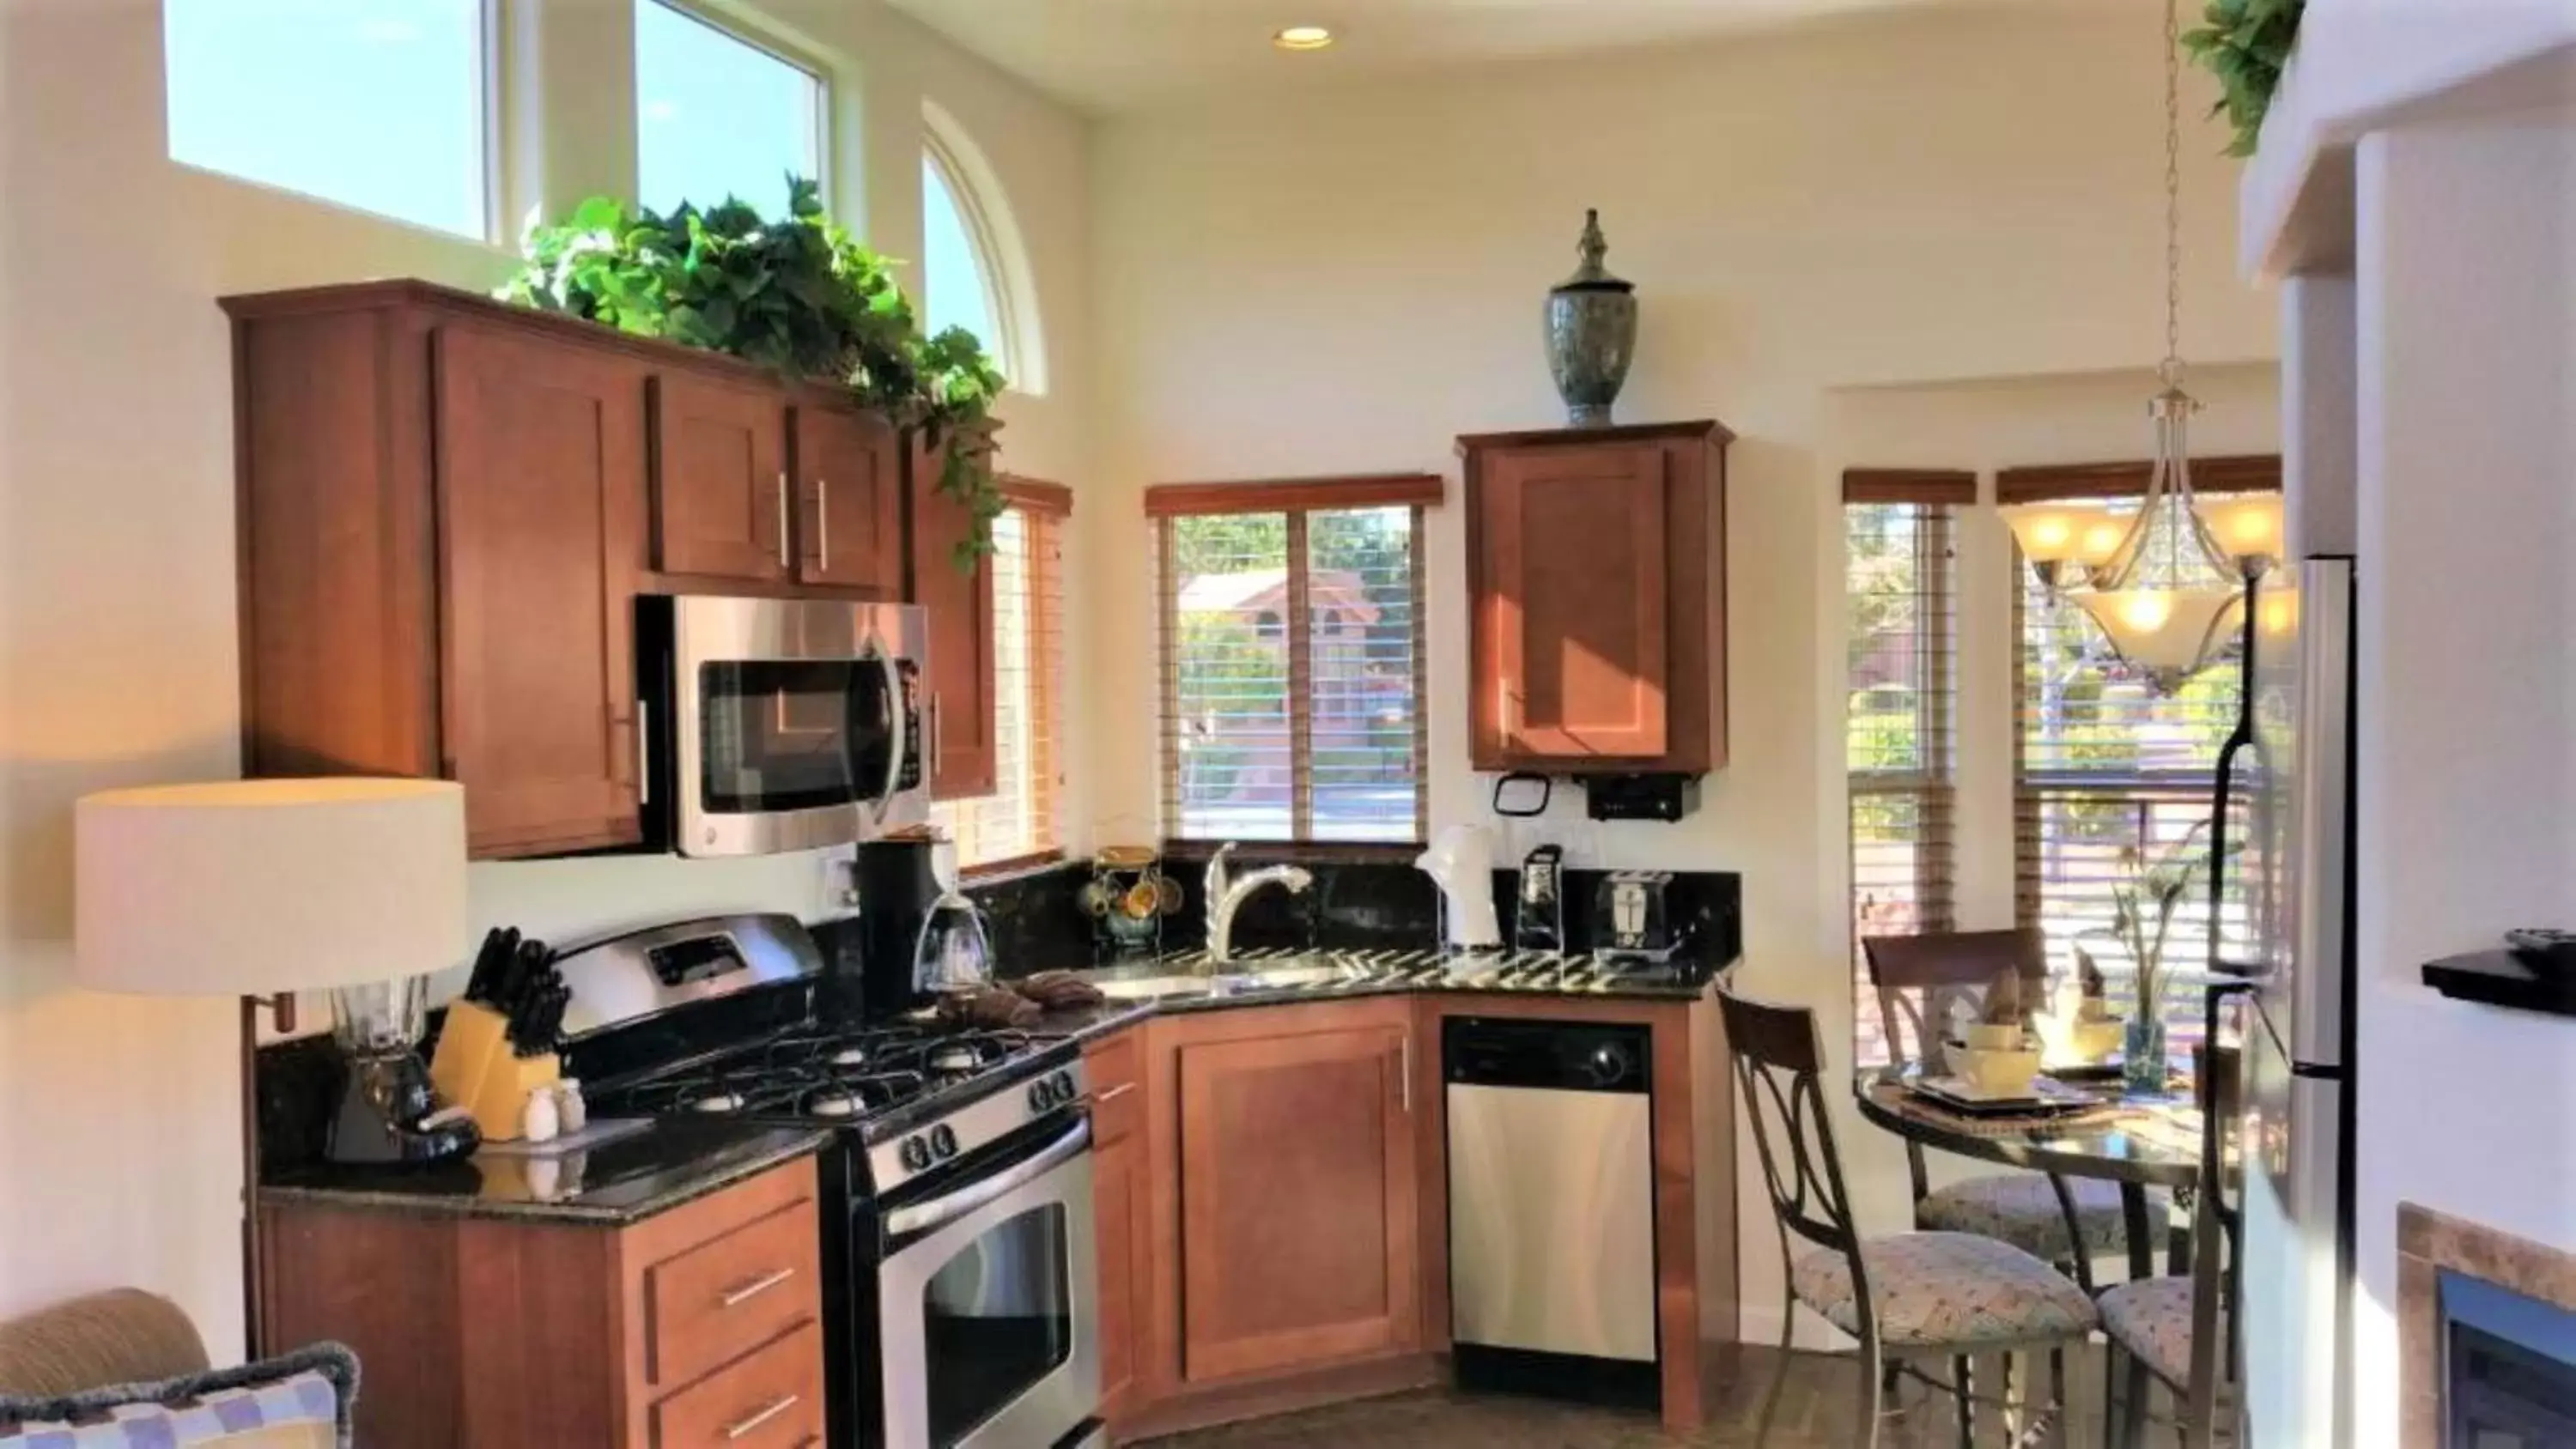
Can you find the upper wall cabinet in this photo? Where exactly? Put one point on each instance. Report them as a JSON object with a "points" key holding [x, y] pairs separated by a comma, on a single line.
{"points": [[1596, 568], [965, 751], [448, 509]]}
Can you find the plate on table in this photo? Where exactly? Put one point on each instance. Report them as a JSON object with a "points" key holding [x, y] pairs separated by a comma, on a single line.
{"points": [[2045, 1095]]}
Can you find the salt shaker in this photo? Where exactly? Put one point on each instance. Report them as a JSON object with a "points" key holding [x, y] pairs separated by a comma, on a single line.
{"points": [[571, 1113], [538, 1121]]}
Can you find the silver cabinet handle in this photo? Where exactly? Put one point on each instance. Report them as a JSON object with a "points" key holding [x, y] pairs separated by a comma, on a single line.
{"points": [[735, 1298], [823, 525], [1113, 1094], [782, 521], [938, 739], [643, 752], [753, 1420], [1404, 1073]]}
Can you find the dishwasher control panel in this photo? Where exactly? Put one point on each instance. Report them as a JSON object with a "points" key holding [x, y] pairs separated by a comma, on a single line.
{"points": [[1564, 1056]]}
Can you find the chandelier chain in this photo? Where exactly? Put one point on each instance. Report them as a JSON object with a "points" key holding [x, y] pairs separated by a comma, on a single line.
{"points": [[2171, 368]]}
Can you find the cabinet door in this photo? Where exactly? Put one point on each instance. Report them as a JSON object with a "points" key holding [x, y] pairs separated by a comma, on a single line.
{"points": [[1573, 601], [965, 761], [1118, 1207], [1298, 1224], [849, 500], [719, 479], [541, 551]]}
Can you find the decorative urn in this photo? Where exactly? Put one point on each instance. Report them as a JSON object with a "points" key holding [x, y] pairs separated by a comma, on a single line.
{"points": [[1591, 332]]}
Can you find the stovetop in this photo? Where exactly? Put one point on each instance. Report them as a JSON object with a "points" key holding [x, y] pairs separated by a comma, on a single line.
{"points": [[863, 1076]]}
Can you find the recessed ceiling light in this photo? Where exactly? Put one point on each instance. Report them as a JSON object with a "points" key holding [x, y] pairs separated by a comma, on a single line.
{"points": [[1303, 37]]}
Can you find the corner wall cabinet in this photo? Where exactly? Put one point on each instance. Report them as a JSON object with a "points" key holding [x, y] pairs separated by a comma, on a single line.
{"points": [[1596, 573], [448, 508]]}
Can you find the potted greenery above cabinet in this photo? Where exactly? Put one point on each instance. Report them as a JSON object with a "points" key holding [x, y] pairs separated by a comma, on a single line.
{"points": [[449, 506]]}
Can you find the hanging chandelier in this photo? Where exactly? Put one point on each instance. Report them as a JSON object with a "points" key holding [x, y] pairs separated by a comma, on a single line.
{"points": [[2164, 584]]}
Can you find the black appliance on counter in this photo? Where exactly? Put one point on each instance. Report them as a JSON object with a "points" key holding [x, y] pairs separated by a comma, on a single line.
{"points": [[960, 1279], [1538, 903], [897, 890]]}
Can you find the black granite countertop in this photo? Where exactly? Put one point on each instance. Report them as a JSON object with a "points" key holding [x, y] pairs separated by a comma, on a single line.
{"points": [[626, 1180], [1278, 977]]}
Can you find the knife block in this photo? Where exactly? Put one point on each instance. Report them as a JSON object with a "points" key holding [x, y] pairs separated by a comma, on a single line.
{"points": [[474, 1068]]}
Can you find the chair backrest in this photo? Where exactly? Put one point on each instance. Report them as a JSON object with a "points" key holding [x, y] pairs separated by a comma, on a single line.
{"points": [[2215, 1277], [1779, 1066], [1925, 982]]}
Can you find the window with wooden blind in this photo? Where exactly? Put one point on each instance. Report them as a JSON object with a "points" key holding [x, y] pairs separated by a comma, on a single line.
{"points": [[1291, 654], [1016, 824], [2108, 770], [1900, 683]]}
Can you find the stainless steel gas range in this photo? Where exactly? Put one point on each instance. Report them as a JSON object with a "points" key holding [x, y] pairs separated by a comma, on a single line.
{"points": [[961, 1291]]}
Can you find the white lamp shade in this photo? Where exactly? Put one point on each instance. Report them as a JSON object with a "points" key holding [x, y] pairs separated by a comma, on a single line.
{"points": [[259, 886], [2166, 632], [2246, 526], [2078, 533]]}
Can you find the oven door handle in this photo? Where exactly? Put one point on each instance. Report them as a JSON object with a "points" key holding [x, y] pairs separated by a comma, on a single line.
{"points": [[903, 1222]]}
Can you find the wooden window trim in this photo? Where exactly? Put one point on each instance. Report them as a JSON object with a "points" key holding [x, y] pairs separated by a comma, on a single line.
{"points": [[1194, 850], [1035, 495], [1294, 495], [2244, 473], [1017, 865], [1930, 486]]}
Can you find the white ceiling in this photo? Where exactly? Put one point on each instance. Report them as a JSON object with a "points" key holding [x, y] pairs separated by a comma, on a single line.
{"points": [[1124, 55]]}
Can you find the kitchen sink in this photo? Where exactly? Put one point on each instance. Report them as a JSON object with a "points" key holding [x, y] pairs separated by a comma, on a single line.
{"points": [[1279, 974]]}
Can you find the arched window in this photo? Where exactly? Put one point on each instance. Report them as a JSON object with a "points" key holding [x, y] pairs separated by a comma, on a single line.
{"points": [[974, 271]]}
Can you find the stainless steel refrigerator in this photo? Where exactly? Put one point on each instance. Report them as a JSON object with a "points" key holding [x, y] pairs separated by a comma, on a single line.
{"points": [[2296, 875]]}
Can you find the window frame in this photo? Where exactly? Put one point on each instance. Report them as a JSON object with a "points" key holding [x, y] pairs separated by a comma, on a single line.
{"points": [[491, 78], [733, 27], [1296, 499], [1940, 498], [1047, 509], [2140, 791]]}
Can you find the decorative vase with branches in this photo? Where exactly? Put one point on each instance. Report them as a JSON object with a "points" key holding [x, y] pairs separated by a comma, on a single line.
{"points": [[798, 295], [2145, 898]]}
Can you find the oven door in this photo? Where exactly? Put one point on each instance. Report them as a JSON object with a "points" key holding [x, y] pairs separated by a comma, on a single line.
{"points": [[987, 1299], [792, 724]]}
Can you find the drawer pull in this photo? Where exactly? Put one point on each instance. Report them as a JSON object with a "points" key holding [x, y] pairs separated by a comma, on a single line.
{"points": [[744, 1425], [1113, 1094], [735, 1298]]}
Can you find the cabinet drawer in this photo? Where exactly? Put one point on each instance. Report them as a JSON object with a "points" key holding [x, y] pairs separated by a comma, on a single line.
{"points": [[771, 1400], [1115, 1069], [719, 1299]]}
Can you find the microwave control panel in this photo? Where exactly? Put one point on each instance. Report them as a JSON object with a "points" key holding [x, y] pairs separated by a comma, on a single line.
{"points": [[915, 750]]}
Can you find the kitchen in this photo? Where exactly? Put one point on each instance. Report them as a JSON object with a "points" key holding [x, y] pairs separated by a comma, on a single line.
{"points": [[1125, 250]]}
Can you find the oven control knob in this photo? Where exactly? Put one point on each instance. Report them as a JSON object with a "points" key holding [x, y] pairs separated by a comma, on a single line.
{"points": [[916, 1153], [943, 1143], [1064, 1088], [1041, 1095]]}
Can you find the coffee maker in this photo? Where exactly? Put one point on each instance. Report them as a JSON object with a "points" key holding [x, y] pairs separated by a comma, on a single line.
{"points": [[388, 1115], [898, 888]]}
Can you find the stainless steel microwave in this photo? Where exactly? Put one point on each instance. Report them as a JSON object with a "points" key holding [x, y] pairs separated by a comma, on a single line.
{"points": [[782, 724]]}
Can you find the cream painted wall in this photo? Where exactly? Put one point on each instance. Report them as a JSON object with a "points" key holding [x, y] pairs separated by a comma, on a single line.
{"points": [[1827, 229], [117, 640]]}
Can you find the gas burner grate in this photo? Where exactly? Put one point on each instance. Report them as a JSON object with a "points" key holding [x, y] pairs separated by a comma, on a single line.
{"points": [[828, 1074]]}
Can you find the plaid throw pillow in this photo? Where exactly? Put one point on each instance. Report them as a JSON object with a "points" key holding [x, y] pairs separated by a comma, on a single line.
{"points": [[300, 1399]]}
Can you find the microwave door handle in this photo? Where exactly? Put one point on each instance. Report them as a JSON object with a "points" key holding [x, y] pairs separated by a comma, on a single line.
{"points": [[895, 723]]}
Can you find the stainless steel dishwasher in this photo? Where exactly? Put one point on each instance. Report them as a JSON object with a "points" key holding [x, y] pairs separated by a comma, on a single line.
{"points": [[1551, 1208]]}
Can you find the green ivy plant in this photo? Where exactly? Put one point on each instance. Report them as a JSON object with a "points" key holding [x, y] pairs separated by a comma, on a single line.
{"points": [[2245, 43], [799, 296]]}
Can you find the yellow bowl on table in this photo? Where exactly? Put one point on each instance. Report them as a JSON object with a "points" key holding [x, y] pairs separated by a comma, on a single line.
{"points": [[1998, 1071]]}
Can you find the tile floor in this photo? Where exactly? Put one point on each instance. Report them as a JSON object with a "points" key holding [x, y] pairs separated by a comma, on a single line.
{"points": [[1816, 1411]]}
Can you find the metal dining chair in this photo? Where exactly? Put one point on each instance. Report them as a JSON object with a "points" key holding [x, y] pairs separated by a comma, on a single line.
{"points": [[2176, 1328], [1927, 983], [1910, 1296]]}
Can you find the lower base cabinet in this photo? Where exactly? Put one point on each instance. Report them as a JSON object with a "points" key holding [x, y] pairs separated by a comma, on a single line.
{"points": [[698, 1328]]}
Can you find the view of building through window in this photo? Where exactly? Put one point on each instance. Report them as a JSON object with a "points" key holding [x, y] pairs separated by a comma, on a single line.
{"points": [[1293, 675], [717, 117], [379, 105]]}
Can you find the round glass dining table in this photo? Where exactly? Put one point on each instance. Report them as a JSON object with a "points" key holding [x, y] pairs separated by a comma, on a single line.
{"points": [[2138, 1142]]}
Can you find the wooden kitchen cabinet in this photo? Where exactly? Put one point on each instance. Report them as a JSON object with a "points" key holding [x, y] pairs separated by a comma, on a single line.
{"points": [[720, 491], [849, 501], [696, 1328], [1122, 1231], [965, 753], [1596, 563]]}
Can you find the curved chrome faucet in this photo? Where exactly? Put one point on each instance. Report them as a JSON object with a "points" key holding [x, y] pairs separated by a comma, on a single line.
{"points": [[1226, 895]]}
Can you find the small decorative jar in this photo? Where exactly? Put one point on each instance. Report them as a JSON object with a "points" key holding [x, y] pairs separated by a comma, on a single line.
{"points": [[2142, 1046]]}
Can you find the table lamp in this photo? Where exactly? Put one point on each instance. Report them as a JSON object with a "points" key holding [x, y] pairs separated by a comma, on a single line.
{"points": [[262, 888]]}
